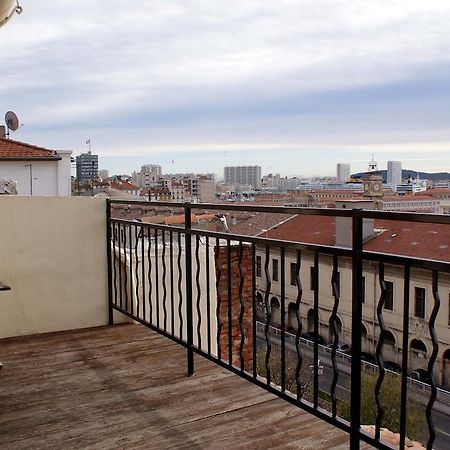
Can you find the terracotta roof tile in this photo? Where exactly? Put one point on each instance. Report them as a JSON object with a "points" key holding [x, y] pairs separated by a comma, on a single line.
{"points": [[420, 240], [123, 186], [20, 150], [252, 224]]}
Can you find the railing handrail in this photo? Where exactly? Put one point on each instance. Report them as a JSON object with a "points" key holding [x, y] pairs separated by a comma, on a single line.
{"points": [[190, 237], [333, 212]]}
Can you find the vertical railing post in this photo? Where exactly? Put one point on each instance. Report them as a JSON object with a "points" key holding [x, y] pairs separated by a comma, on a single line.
{"points": [[109, 262], [355, 394], [188, 281]]}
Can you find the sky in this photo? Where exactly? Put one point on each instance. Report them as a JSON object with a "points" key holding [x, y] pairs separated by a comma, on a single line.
{"points": [[294, 86]]}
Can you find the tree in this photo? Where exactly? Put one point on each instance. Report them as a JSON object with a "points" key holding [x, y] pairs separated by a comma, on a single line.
{"points": [[390, 401], [305, 376]]}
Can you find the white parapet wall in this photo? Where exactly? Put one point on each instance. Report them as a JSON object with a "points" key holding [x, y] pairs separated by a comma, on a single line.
{"points": [[53, 256]]}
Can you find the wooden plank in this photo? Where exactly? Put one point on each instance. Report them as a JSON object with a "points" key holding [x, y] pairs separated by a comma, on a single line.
{"points": [[125, 387]]}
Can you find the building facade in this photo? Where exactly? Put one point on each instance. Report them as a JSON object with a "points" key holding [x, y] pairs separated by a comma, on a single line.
{"points": [[87, 167], [342, 172], [316, 275], [36, 170], [394, 174], [148, 176], [243, 175]]}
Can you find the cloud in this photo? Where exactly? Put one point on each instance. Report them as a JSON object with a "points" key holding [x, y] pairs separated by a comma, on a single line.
{"points": [[154, 76]]}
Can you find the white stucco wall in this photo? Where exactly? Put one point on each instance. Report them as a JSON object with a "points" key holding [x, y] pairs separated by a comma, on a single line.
{"points": [[53, 255], [134, 285], [46, 177]]}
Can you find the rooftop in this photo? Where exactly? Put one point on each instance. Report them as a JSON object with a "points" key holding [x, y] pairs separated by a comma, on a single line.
{"points": [[423, 240], [15, 150], [125, 387]]}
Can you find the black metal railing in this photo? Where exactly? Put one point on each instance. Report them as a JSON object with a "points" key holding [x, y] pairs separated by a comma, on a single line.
{"points": [[207, 290]]}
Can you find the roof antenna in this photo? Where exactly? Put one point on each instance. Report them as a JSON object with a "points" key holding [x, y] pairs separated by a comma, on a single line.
{"points": [[12, 122]]}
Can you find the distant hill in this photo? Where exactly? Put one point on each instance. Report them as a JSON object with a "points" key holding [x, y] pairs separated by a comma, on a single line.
{"points": [[406, 173]]}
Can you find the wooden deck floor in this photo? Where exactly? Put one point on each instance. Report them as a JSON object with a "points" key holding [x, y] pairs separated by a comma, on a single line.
{"points": [[125, 387]]}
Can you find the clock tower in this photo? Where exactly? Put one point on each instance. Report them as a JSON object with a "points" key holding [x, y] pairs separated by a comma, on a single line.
{"points": [[373, 182]]}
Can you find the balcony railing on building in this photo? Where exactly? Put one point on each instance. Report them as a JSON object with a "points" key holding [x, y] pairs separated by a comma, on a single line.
{"points": [[261, 307]]}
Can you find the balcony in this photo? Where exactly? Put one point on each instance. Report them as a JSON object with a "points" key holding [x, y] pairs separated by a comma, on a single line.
{"points": [[126, 387], [195, 288]]}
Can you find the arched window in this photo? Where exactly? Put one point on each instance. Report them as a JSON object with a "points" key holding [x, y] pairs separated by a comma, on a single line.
{"points": [[275, 311], [389, 338], [274, 303], [418, 345], [311, 318], [259, 298], [363, 331], [292, 317]]}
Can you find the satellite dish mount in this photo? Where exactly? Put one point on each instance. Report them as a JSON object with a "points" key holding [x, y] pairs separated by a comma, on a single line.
{"points": [[7, 10], [12, 122]]}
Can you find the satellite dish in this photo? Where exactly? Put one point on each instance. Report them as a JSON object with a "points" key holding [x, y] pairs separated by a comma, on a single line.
{"points": [[12, 121], [7, 10]]}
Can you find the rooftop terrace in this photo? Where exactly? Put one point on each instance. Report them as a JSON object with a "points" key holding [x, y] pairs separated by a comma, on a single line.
{"points": [[125, 387]]}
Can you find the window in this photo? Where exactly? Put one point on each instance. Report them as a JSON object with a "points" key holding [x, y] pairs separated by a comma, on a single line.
{"points": [[419, 304], [294, 275], [389, 299], [363, 290], [275, 269], [258, 266], [312, 281]]}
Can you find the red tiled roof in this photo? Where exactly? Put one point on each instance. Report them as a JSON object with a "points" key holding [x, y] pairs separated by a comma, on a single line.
{"points": [[309, 229], [125, 185], [10, 149], [252, 224], [408, 198], [421, 240]]}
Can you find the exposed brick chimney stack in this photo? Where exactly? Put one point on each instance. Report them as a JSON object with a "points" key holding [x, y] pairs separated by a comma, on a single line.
{"points": [[247, 298], [2, 132]]}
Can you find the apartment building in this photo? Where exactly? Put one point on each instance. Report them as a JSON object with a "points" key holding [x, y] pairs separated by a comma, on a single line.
{"points": [[87, 167], [342, 172], [394, 174], [243, 175], [427, 241], [148, 176]]}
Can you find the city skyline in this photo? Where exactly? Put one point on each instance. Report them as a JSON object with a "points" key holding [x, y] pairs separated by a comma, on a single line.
{"points": [[292, 86]]}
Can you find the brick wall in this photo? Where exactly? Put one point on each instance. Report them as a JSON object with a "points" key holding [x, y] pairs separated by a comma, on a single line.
{"points": [[247, 296]]}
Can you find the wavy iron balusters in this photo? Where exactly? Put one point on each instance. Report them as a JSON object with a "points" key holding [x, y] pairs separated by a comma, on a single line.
{"points": [[268, 315], [114, 263], [130, 251], [136, 267], [219, 298], [180, 287], [298, 302], [335, 331], [432, 360], [143, 272], [172, 297], [125, 279], [164, 274], [241, 303], [150, 284], [379, 357], [197, 284]]}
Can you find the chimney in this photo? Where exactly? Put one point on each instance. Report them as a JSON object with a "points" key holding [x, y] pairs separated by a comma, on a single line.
{"points": [[344, 224], [238, 327], [2, 132]]}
